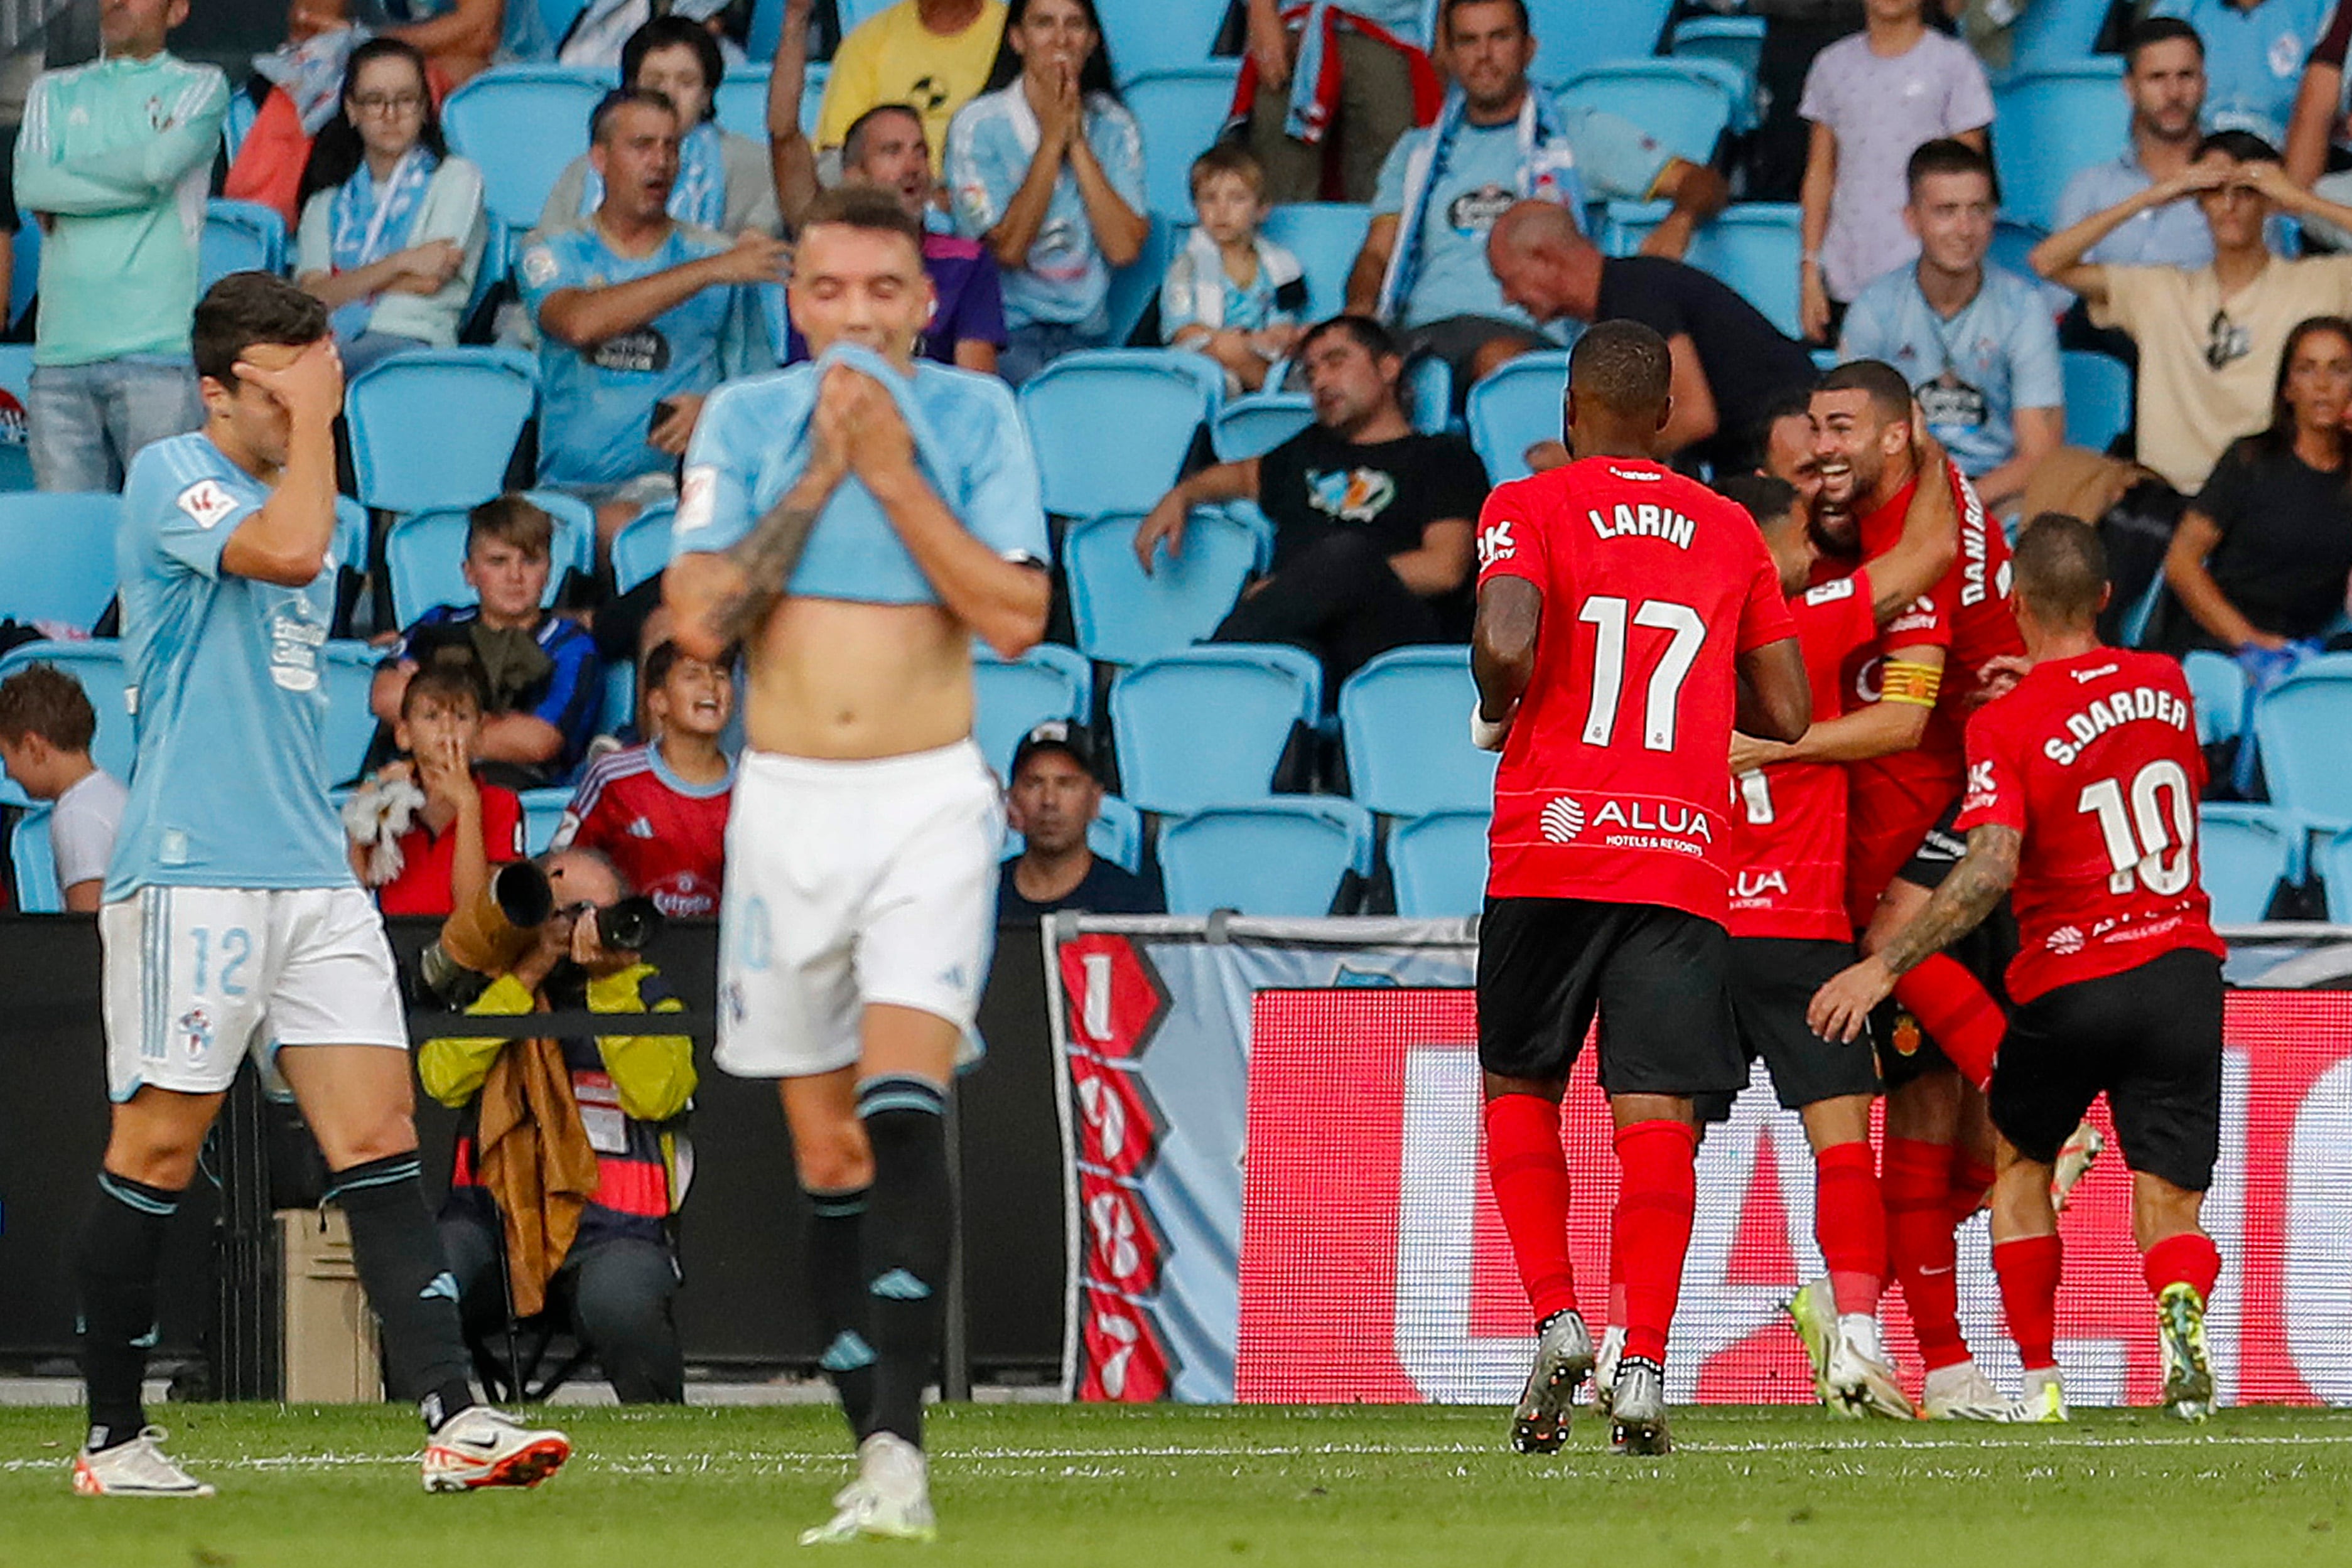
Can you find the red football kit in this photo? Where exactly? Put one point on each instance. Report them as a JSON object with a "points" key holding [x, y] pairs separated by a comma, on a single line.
{"points": [[669, 837], [1613, 782], [1893, 800], [427, 861], [2094, 761], [1787, 850]]}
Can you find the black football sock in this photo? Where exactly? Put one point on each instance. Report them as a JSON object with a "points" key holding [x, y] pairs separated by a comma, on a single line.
{"points": [[121, 1249], [398, 1254], [907, 1239], [837, 1283]]}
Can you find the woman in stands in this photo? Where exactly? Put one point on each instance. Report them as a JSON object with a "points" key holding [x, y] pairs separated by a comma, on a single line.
{"points": [[723, 181], [2261, 559], [1046, 168], [392, 226]]}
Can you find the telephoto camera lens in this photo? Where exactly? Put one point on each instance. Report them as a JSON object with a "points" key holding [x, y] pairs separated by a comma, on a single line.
{"points": [[628, 925]]}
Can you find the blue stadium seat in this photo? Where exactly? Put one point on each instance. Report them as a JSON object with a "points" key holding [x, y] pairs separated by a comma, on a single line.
{"points": [[437, 428], [2243, 853], [16, 389], [1134, 288], [1404, 719], [2054, 34], [1428, 391], [351, 534], [239, 236], [1754, 247], [57, 555], [1143, 36], [1516, 406], [1686, 105], [1123, 617], [1208, 726], [97, 663], [1734, 41], [542, 809], [522, 124], [2049, 123], [2304, 727], [1013, 697], [2098, 399], [1116, 835], [1283, 856], [1179, 111], [1150, 402], [1572, 33], [641, 549], [556, 17], [619, 705], [1254, 425], [742, 100], [234, 124], [34, 860], [768, 26], [2219, 689], [1439, 864], [1325, 237], [348, 668], [425, 554]]}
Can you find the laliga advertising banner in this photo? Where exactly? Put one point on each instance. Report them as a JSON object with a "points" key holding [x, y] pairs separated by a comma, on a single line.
{"points": [[1355, 1253]]}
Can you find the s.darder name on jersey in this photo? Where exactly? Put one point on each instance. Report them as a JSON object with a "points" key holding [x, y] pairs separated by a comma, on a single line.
{"points": [[2102, 714], [1646, 521]]}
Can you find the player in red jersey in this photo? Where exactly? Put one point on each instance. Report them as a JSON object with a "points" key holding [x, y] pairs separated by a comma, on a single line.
{"points": [[659, 810], [1624, 613], [2082, 789]]}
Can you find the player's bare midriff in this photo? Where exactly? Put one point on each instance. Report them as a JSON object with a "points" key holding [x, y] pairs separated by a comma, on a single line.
{"points": [[844, 682]]}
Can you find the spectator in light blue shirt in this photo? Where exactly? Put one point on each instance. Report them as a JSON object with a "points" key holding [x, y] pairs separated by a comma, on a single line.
{"points": [[1046, 168], [2164, 80], [2254, 55], [1977, 345]]}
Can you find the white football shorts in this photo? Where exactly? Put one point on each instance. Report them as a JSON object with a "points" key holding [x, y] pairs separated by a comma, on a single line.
{"points": [[195, 976], [851, 884]]}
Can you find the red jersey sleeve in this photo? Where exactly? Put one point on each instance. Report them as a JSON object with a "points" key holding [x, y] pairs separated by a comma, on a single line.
{"points": [[1765, 616], [1996, 784], [1510, 544]]}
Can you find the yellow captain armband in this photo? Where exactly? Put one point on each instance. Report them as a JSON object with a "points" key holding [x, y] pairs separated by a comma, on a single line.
{"points": [[1905, 682]]}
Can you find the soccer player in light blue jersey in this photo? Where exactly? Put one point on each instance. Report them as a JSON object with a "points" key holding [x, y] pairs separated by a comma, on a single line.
{"points": [[231, 917], [855, 527]]}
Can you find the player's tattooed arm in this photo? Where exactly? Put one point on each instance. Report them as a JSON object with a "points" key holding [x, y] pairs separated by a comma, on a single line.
{"points": [[1841, 1008], [765, 557]]}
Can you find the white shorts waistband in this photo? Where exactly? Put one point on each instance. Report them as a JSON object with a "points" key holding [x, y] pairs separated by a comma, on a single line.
{"points": [[958, 760]]}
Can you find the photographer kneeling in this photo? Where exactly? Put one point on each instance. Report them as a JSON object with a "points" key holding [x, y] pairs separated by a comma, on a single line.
{"points": [[574, 1144]]}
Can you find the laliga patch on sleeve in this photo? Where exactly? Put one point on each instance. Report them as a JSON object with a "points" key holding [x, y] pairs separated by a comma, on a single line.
{"points": [[694, 499], [207, 501], [538, 267]]}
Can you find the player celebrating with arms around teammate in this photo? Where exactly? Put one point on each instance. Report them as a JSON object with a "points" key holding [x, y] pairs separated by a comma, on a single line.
{"points": [[1624, 612], [2082, 804], [854, 523], [231, 912]]}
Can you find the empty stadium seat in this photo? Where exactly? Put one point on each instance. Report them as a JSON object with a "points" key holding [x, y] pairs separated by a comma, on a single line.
{"points": [[521, 125], [2304, 726], [2098, 399], [1516, 406], [425, 554], [1134, 288], [768, 24], [1401, 718], [35, 862], [239, 236], [57, 555], [97, 663], [1438, 864], [1013, 697], [641, 549], [2053, 34], [1325, 237], [1179, 111], [1112, 426], [437, 428], [1753, 246], [1124, 617], [542, 809], [1283, 856], [2243, 853], [1572, 33], [1734, 41], [2219, 689], [1208, 726], [348, 670], [1116, 835], [741, 101], [2047, 124], [1686, 105], [1144, 35], [1254, 425]]}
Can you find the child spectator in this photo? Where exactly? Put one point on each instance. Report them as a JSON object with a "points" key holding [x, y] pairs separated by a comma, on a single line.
{"points": [[1231, 293], [1872, 98], [658, 810], [541, 670], [46, 727], [426, 829]]}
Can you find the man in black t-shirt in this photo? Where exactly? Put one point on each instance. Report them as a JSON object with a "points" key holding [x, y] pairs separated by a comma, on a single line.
{"points": [[1730, 363], [1372, 523], [1051, 800]]}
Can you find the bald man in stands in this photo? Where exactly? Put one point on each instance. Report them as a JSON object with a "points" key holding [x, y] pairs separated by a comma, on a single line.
{"points": [[1730, 364]]}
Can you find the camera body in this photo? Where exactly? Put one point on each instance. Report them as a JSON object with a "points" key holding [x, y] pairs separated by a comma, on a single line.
{"points": [[493, 934]]}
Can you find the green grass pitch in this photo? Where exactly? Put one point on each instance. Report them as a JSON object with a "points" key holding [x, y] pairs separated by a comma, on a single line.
{"points": [[1160, 1487]]}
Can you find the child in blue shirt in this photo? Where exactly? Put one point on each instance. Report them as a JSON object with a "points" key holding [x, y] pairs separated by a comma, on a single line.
{"points": [[1231, 293]]}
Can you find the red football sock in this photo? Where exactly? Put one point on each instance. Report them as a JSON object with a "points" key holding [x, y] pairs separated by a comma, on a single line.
{"points": [[2189, 1257], [1529, 1170], [1918, 1184], [2028, 1268], [1958, 1014], [1850, 1223], [1658, 1193], [1971, 1179]]}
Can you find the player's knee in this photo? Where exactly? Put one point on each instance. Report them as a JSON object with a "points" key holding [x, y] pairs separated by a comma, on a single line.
{"points": [[834, 1158], [378, 1137], [154, 1151]]}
